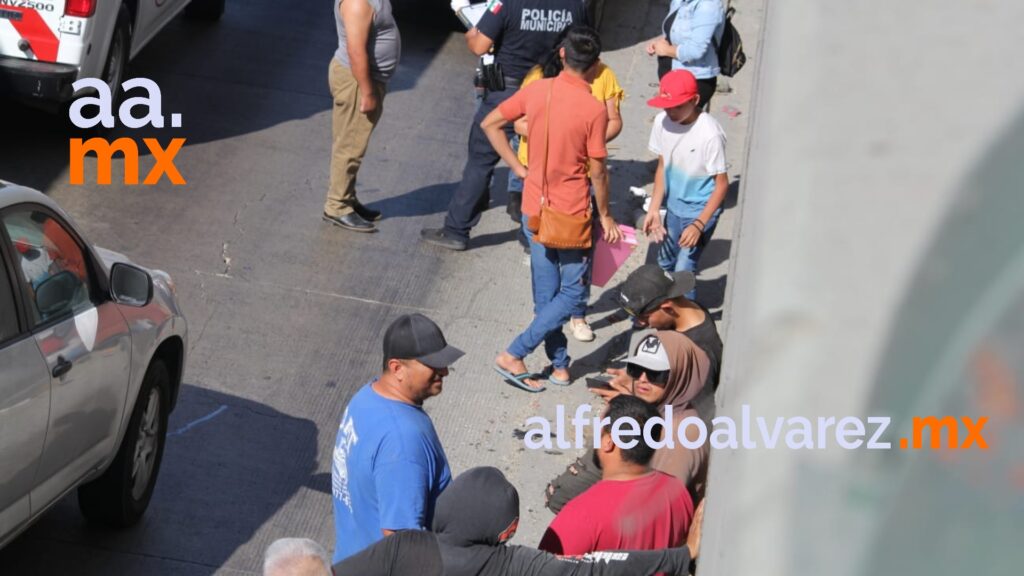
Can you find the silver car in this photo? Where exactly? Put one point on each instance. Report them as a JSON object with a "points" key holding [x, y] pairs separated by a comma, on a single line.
{"points": [[92, 350]]}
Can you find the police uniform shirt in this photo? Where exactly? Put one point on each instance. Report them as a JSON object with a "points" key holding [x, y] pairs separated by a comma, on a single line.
{"points": [[524, 31]]}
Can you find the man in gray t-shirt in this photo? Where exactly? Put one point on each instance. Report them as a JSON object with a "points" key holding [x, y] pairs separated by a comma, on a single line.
{"points": [[369, 46]]}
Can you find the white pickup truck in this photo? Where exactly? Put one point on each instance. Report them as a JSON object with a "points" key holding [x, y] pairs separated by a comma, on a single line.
{"points": [[45, 45]]}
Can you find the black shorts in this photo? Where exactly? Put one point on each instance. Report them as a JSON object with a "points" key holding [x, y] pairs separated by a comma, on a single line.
{"points": [[706, 88]]}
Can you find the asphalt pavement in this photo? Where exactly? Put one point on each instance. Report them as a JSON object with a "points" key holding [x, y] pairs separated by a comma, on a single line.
{"points": [[286, 313]]}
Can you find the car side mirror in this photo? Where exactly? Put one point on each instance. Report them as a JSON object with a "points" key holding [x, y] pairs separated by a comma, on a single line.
{"points": [[130, 285], [56, 294]]}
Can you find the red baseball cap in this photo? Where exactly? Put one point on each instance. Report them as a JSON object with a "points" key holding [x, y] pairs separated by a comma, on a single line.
{"points": [[677, 87]]}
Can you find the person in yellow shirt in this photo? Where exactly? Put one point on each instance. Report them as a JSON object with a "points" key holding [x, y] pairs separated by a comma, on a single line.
{"points": [[606, 89]]}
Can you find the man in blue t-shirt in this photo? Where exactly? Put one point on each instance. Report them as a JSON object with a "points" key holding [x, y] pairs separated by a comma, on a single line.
{"points": [[388, 465]]}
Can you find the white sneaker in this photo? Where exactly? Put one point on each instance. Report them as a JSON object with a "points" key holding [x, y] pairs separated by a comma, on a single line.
{"points": [[581, 330]]}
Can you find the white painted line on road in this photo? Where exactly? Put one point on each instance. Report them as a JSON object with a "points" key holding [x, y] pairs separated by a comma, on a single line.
{"points": [[195, 423], [318, 292]]}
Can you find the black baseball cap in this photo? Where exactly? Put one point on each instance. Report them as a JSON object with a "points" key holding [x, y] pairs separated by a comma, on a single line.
{"points": [[648, 286], [416, 337]]}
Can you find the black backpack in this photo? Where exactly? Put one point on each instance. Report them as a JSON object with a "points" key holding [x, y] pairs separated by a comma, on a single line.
{"points": [[730, 48]]}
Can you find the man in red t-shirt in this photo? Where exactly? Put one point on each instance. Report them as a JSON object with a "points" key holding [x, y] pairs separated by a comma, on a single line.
{"points": [[632, 507]]}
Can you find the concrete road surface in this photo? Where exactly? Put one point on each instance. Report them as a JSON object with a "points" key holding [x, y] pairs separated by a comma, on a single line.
{"points": [[286, 312]]}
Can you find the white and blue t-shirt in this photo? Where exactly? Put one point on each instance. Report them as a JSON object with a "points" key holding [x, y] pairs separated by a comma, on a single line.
{"points": [[694, 154], [388, 470]]}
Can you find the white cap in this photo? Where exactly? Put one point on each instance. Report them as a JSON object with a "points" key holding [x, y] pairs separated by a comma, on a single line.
{"points": [[650, 354]]}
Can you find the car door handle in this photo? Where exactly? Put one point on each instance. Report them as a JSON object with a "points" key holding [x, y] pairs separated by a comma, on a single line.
{"points": [[62, 367]]}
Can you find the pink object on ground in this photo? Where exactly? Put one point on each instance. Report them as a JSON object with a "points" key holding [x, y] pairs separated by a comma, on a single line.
{"points": [[732, 111], [608, 258]]}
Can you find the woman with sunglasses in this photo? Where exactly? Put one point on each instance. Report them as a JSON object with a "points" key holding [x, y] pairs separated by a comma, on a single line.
{"points": [[665, 368]]}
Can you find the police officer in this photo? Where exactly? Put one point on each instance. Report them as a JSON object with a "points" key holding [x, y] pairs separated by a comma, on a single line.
{"points": [[516, 35]]}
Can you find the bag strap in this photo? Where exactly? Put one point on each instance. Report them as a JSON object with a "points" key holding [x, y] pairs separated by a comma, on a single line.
{"points": [[547, 144], [726, 22], [670, 21]]}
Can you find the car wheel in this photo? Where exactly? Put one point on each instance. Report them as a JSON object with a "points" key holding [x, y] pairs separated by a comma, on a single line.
{"points": [[120, 496], [117, 56], [209, 10]]}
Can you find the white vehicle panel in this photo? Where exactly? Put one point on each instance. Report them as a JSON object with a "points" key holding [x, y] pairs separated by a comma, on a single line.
{"points": [[153, 16], [96, 40], [34, 21], [39, 31], [24, 413]]}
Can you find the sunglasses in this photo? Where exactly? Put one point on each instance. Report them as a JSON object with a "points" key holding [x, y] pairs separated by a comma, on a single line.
{"points": [[653, 376], [440, 372], [435, 372]]}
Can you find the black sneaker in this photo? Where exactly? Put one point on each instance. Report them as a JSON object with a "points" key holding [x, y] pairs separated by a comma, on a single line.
{"points": [[351, 221], [437, 237], [367, 213]]}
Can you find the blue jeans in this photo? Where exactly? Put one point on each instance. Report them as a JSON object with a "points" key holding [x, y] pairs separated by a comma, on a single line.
{"points": [[515, 184], [514, 208], [580, 309], [672, 257], [558, 285]]}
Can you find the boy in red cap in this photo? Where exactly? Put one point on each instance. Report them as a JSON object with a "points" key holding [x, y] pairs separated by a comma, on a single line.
{"points": [[691, 174]]}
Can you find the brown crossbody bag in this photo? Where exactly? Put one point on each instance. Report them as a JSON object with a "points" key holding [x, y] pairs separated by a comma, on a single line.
{"points": [[552, 228]]}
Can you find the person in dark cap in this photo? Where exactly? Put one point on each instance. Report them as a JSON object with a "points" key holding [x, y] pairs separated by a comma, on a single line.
{"points": [[657, 299], [476, 517], [388, 465]]}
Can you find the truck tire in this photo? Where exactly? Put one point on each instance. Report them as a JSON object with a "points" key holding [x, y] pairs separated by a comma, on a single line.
{"points": [[120, 496], [117, 56], [208, 10]]}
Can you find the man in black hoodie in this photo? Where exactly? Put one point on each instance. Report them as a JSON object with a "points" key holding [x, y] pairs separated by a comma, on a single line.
{"points": [[475, 517]]}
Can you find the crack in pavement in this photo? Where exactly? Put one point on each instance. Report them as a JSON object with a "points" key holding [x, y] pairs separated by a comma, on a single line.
{"points": [[202, 330], [312, 292]]}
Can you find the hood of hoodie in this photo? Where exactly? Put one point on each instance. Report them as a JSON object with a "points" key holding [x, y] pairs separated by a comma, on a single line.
{"points": [[477, 508]]}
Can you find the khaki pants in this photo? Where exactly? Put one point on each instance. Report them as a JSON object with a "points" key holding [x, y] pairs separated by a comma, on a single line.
{"points": [[351, 133]]}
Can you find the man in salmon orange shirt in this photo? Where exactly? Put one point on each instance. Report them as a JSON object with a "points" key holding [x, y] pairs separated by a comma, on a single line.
{"points": [[567, 130], [633, 506]]}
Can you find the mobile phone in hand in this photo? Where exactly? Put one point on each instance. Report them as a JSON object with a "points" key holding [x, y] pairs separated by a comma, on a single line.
{"points": [[601, 382]]}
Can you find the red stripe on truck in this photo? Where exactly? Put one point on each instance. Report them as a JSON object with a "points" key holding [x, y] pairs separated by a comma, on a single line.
{"points": [[31, 27]]}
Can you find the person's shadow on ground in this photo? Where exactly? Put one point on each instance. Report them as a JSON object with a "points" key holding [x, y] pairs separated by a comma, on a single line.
{"points": [[229, 466]]}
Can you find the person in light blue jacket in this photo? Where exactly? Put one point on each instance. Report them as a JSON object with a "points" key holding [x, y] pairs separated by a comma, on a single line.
{"points": [[692, 31]]}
